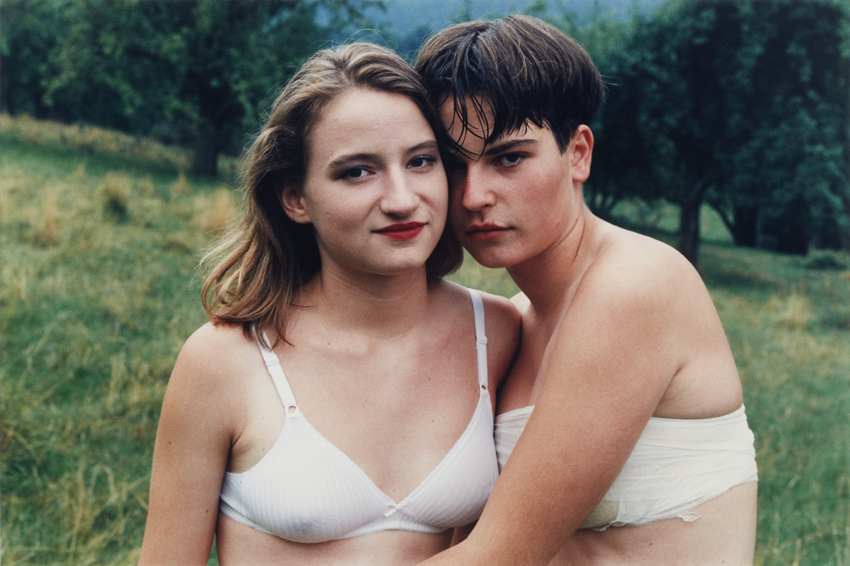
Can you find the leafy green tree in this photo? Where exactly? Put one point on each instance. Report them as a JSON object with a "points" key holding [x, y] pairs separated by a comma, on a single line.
{"points": [[739, 104], [199, 69], [627, 163], [793, 182], [112, 67], [29, 30]]}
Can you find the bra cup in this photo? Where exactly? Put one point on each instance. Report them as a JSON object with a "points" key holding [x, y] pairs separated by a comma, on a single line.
{"points": [[460, 477], [349, 503], [342, 504]]}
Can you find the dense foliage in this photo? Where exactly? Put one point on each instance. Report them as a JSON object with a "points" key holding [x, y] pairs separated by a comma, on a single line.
{"points": [[194, 71], [742, 104]]}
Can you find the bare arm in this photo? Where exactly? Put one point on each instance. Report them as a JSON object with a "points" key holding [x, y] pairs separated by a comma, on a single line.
{"points": [[606, 370], [190, 457]]}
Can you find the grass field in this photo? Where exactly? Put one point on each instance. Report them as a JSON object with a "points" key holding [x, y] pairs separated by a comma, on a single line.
{"points": [[99, 241]]}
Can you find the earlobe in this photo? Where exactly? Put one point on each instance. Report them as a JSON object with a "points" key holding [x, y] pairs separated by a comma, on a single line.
{"points": [[294, 205], [582, 153]]}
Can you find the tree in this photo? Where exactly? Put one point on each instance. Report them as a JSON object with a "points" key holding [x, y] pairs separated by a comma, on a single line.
{"points": [[794, 183], [30, 31], [196, 68], [716, 101], [627, 162]]}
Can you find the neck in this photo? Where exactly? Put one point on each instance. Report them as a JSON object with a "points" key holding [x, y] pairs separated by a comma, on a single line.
{"points": [[550, 278], [380, 306]]}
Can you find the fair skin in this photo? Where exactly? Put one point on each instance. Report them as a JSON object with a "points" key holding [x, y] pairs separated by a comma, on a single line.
{"points": [[379, 359], [617, 328]]}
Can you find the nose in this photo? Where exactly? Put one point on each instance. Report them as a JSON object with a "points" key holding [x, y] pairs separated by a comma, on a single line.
{"points": [[473, 186], [400, 198]]}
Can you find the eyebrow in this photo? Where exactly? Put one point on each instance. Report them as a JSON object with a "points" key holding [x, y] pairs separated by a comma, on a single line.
{"points": [[343, 160], [508, 145]]}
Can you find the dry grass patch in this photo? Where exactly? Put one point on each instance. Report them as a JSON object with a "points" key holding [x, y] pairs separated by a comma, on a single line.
{"points": [[215, 214]]}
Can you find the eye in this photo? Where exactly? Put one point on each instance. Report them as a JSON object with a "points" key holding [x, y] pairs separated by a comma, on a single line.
{"points": [[510, 159], [421, 161], [354, 173]]}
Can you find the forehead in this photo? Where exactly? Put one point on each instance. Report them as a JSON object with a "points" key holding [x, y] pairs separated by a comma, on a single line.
{"points": [[467, 122], [471, 125], [474, 116], [362, 119]]}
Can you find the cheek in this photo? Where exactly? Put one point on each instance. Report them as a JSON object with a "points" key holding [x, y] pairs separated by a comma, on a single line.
{"points": [[443, 201], [438, 195], [334, 217]]}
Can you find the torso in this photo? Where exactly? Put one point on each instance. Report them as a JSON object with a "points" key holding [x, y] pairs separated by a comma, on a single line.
{"points": [[724, 534], [381, 403], [702, 383]]}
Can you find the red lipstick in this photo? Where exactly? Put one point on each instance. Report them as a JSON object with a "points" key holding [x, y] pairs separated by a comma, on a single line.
{"points": [[404, 231]]}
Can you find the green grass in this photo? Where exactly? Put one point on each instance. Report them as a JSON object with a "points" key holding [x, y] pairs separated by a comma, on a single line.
{"points": [[99, 245]]}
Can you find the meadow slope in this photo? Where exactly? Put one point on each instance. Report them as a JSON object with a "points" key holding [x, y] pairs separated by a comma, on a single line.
{"points": [[100, 236]]}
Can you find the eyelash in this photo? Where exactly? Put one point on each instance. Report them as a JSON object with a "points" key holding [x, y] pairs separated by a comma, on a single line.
{"points": [[517, 158], [360, 171], [428, 160], [347, 174]]}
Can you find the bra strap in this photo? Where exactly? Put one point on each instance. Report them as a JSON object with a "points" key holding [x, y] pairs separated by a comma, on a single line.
{"points": [[280, 382], [480, 337]]}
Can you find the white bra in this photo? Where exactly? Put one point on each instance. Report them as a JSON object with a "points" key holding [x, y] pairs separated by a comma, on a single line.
{"points": [[307, 490]]}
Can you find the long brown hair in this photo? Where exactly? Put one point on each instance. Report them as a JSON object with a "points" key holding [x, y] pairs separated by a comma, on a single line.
{"points": [[263, 262]]}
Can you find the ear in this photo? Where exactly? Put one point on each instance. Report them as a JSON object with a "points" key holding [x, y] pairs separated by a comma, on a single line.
{"points": [[294, 204], [581, 153]]}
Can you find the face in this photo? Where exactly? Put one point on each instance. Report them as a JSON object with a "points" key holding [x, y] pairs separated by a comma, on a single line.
{"points": [[375, 189], [517, 197]]}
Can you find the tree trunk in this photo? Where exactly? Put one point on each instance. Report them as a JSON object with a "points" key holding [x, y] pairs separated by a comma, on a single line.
{"points": [[205, 161], [745, 226], [792, 229], [689, 231], [689, 221]]}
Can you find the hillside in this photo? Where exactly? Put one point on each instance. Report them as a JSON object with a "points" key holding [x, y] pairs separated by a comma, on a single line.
{"points": [[100, 236]]}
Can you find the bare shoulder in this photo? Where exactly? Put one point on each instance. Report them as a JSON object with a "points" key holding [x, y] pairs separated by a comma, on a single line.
{"points": [[502, 324], [212, 367], [199, 420], [646, 297], [500, 314], [224, 340], [643, 272]]}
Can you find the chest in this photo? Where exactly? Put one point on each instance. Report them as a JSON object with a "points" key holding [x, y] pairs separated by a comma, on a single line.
{"points": [[522, 387], [394, 415], [315, 485]]}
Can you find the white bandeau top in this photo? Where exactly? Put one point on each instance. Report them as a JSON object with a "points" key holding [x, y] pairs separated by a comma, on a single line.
{"points": [[676, 465]]}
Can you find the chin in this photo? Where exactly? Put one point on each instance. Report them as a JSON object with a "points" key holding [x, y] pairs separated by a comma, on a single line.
{"points": [[488, 259], [400, 268]]}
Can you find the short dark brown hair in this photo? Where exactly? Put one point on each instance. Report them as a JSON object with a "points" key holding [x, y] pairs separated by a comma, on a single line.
{"points": [[522, 68], [262, 263]]}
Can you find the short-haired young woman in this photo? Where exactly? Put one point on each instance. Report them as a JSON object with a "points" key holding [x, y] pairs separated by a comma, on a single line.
{"points": [[621, 430]]}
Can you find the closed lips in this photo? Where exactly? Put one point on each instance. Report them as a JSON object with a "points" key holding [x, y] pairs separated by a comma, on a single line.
{"points": [[401, 227]]}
